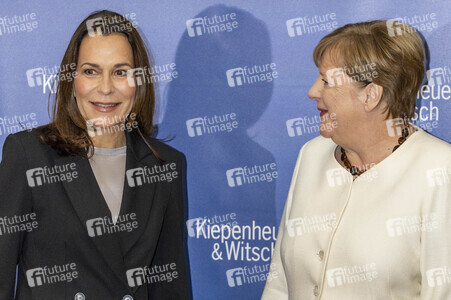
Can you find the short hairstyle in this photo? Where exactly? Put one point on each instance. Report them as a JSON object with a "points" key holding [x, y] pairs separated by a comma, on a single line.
{"points": [[394, 49]]}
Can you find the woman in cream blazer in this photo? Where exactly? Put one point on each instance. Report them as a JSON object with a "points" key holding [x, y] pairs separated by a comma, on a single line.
{"points": [[368, 214]]}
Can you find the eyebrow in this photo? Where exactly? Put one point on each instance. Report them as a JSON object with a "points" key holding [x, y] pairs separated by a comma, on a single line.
{"points": [[320, 73], [115, 66]]}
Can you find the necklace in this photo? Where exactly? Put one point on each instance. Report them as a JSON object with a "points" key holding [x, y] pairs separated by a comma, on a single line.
{"points": [[354, 170]]}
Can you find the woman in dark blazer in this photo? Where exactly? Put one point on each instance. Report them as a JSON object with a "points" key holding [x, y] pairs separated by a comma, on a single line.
{"points": [[91, 206]]}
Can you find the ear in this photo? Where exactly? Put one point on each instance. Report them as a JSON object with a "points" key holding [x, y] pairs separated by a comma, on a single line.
{"points": [[373, 96]]}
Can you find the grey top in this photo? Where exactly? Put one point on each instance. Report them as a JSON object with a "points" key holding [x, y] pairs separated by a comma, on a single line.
{"points": [[108, 166]]}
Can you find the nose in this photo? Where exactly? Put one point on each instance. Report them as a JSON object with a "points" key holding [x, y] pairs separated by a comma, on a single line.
{"points": [[315, 91], [105, 84]]}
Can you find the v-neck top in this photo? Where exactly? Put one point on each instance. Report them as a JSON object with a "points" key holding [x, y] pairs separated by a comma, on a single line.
{"points": [[108, 166]]}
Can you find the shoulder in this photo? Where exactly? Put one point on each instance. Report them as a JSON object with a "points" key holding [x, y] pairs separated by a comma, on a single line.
{"points": [[27, 147], [163, 149], [20, 148], [29, 135], [432, 148], [141, 147], [426, 139], [25, 139], [314, 152]]}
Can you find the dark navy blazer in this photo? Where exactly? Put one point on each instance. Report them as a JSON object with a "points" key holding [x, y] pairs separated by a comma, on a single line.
{"points": [[66, 212]]}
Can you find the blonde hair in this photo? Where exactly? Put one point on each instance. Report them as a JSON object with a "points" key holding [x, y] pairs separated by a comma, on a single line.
{"points": [[397, 57]]}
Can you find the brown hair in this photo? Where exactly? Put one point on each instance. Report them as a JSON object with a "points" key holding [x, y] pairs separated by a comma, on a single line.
{"points": [[393, 48], [68, 130]]}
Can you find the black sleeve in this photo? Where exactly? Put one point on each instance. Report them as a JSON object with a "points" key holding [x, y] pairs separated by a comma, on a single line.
{"points": [[15, 200], [171, 247]]}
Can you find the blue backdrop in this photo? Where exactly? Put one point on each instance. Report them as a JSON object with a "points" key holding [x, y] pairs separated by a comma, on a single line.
{"points": [[231, 78]]}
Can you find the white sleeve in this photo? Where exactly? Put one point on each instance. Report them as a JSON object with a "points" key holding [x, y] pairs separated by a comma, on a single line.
{"points": [[436, 243]]}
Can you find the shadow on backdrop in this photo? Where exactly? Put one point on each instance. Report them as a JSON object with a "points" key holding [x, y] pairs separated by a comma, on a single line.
{"points": [[202, 90]]}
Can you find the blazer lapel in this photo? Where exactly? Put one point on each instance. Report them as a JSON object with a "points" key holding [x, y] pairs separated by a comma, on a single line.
{"points": [[89, 204], [137, 199]]}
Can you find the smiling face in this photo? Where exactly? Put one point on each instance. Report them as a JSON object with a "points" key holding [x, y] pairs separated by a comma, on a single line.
{"points": [[341, 104], [101, 87]]}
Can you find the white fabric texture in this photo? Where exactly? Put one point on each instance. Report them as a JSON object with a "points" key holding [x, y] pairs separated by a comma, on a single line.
{"points": [[386, 235]]}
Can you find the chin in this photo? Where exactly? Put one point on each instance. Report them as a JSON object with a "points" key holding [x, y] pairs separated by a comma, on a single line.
{"points": [[326, 133], [326, 130]]}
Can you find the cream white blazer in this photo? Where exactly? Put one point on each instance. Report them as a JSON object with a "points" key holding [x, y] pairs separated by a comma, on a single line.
{"points": [[386, 235]]}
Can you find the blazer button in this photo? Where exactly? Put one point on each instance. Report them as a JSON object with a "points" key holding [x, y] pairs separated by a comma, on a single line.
{"points": [[321, 255], [315, 291], [79, 296], [127, 297]]}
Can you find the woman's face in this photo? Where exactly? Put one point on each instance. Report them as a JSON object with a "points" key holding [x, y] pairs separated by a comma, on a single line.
{"points": [[340, 102], [101, 86]]}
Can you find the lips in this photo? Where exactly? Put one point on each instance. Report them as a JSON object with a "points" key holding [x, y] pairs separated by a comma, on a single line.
{"points": [[104, 106], [323, 111]]}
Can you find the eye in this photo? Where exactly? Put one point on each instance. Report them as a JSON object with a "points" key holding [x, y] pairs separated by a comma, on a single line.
{"points": [[89, 71], [325, 82], [121, 73]]}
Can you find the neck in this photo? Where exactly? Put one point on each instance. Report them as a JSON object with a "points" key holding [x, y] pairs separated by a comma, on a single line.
{"points": [[109, 140], [369, 154], [371, 147]]}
